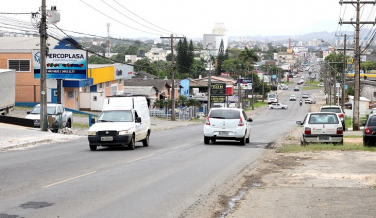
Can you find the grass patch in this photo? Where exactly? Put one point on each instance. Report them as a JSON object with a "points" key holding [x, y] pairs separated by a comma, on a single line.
{"points": [[80, 125], [312, 87], [324, 147], [352, 136], [260, 103]]}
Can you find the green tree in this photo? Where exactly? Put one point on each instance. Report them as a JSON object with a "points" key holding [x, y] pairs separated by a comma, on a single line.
{"points": [[368, 65], [226, 54], [220, 58], [193, 102], [183, 58], [159, 103], [182, 100], [94, 59]]}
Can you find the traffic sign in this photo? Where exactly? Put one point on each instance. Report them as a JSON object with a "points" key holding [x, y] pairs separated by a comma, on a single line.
{"points": [[350, 60]]}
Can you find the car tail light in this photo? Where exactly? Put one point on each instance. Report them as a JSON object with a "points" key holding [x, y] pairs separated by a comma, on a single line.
{"points": [[341, 115], [367, 131], [307, 130], [241, 122], [207, 121], [339, 130]]}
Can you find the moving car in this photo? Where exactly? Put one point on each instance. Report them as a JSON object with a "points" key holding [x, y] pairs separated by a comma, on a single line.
{"points": [[227, 124], [278, 106], [292, 98], [320, 85], [123, 122], [369, 132], [336, 109], [296, 88], [321, 127], [305, 95]]}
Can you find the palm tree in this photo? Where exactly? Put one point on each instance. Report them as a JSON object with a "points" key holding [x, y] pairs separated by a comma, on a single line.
{"points": [[249, 57]]}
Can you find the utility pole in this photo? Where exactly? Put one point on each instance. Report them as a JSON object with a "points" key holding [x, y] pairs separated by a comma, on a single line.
{"points": [[172, 75], [343, 74], [43, 68], [356, 24]]}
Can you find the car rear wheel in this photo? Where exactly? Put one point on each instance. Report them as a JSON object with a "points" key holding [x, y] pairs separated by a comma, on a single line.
{"points": [[213, 140], [69, 124], [242, 141], [132, 143], [206, 140], [93, 147], [247, 139]]}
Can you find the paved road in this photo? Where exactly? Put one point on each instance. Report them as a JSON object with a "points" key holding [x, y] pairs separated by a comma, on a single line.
{"points": [[174, 177]]}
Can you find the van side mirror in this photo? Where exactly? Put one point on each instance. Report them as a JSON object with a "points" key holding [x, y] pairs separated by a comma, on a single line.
{"points": [[362, 124], [249, 120], [299, 122], [27, 112], [138, 120], [92, 120]]}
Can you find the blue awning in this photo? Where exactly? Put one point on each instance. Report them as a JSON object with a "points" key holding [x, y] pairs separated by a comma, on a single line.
{"points": [[77, 83]]}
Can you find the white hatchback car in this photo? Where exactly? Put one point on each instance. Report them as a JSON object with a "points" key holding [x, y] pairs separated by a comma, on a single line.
{"points": [[227, 124], [321, 127]]}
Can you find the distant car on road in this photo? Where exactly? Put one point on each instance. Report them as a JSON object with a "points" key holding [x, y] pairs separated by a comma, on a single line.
{"points": [[278, 106], [320, 85], [305, 95], [292, 98], [296, 88]]}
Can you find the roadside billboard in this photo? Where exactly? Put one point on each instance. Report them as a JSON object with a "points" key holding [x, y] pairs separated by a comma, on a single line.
{"points": [[62, 64], [123, 71]]}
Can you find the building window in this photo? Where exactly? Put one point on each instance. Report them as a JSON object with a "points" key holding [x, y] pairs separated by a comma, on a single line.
{"points": [[119, 81], [100, 85], [107, 84], [70, 94], [19, 65], [85, 89]]}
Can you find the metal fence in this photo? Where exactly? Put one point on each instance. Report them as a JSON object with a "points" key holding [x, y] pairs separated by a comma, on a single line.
{"points": [[184, 113]]}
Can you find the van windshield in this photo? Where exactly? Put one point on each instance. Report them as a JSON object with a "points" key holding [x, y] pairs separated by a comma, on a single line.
{"points": [[116, 116]]}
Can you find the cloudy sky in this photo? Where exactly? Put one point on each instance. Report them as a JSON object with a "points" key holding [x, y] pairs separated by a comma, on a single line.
{"points": [[152, 18]]}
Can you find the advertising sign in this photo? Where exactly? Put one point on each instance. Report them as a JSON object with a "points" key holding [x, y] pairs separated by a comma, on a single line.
{"points": [[217, 99], [218, 89], [123, 71], [62, 64]]}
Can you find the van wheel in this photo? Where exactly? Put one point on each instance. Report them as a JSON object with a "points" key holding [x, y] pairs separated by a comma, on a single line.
{"points": [[131, 144], [206, 140], [213, 140], [145, 142], [93, 147]]}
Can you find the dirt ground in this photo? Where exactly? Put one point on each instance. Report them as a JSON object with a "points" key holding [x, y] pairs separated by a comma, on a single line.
{"points": [[309, 184]]}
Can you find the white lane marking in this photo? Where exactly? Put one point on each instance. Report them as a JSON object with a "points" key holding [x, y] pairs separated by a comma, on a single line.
{"points": [[180, 147], [139, 158], [69, 179]]}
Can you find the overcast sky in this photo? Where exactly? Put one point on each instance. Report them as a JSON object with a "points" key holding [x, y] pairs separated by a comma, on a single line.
{"points": [[193, 18]]}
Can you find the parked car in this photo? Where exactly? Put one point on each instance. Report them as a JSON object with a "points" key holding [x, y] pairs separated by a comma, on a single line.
{"points": [[305, 95], [285, 87], [296, 88], [321, 127], [320, 85], [227, 124], [292, 98], [60, 118], [278, 106], [369, 132], [336, 109], [309, 101]]}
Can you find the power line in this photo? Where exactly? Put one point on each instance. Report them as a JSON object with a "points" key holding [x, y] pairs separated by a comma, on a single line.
{"points": [[131, 18], [144, 19], [117, 20]]}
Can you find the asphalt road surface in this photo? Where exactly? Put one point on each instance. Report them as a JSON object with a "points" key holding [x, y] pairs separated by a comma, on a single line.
{"points": [[167, 179]]}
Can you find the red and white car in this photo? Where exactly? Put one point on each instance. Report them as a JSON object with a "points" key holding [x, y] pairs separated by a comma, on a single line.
{"points": [[321, 127]]}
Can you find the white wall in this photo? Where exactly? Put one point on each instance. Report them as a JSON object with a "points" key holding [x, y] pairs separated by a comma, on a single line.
{"points": [[88, 100]]}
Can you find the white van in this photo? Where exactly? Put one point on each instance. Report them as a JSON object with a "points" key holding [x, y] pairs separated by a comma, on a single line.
{"points": [[123, 122]]}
